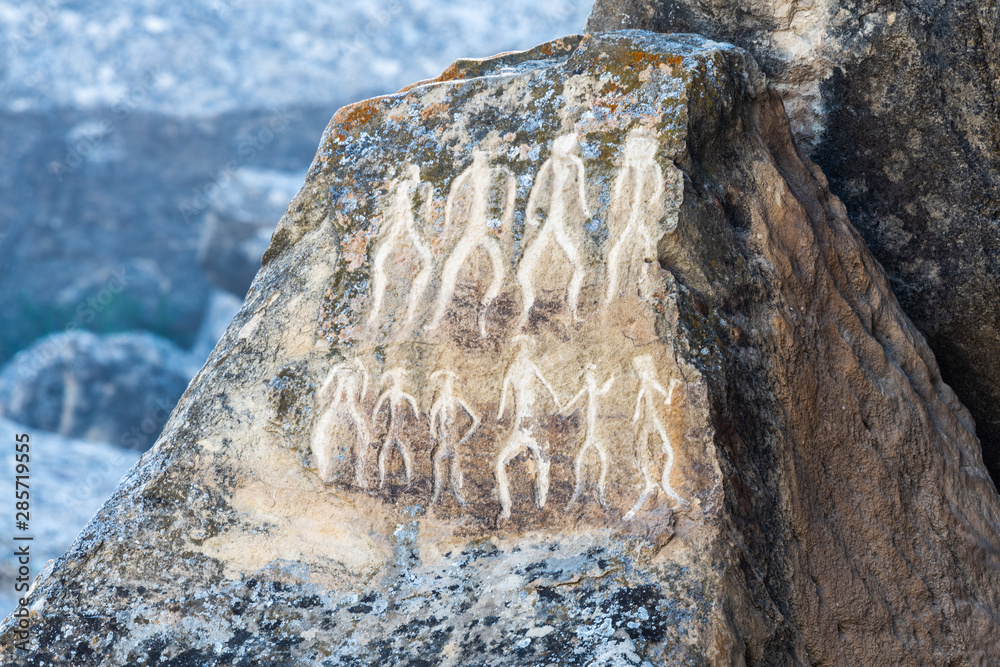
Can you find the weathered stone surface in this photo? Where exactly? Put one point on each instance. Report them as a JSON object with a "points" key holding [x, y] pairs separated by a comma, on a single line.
{"points": [[117, 388], [567, 357], [898, 103]]}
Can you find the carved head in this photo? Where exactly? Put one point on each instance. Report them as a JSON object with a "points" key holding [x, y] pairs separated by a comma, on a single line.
{"points": [[444, 376], [396, 374], [565, 145], [640, 146], [644, 365]]}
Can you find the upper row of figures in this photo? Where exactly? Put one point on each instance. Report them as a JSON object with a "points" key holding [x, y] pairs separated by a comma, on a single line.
{"points": [[556, 213], [452, 423]]}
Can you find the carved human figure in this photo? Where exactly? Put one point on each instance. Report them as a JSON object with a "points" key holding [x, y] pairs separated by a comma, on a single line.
{"points": [[399, 229], [342, 393], [591, 441], [397, 400], [559, 193], [468, 206], [648, 417], [634, 215], [444, 431], [522, 378]]}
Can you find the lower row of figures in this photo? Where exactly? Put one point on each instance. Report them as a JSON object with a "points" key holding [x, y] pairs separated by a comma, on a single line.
{"points": [[453, 422]]}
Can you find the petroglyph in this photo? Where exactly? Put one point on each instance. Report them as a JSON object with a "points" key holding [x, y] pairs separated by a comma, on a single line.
{"points": [[591, 441], [521, 379], [397, 401], [559, 194], [468, 207], [399, 230], [444, 430], [494, 435], [342, 392], [648, 417], [635, 213]]}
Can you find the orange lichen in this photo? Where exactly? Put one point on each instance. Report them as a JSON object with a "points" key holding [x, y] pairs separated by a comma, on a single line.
{"points": [[354, 249], [642, 58], [433, 110], [353, 115]]}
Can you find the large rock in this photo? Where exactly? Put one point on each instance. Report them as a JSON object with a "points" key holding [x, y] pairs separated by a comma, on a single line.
{"points": [[898, 103], [568, 357], [116, 388]]}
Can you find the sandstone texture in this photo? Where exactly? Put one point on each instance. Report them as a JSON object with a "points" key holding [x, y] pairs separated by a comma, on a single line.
{"points": [[898, 102], [567, 357]]}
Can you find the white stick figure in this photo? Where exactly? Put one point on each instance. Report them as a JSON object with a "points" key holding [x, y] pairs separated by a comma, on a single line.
{"points": [[522, 376], [590, 440], [400, 229], [473, 187], [397, 400], [444, 416], [635, 212], [646, 408], [558, 190], [342, 396]]}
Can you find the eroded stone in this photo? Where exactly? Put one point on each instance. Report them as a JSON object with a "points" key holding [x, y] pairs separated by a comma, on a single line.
{"points": [[515, 387]]}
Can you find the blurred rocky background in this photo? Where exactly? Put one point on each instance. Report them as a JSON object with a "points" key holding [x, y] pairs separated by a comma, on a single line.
{"points": [[147, 149]]}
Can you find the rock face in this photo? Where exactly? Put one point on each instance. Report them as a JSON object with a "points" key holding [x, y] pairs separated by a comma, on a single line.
{"points": [[899, 105], [566, 357], [118, 388]]}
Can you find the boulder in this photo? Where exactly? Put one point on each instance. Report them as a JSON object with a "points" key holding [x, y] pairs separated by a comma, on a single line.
{"points": [[565, 357], [898, 104], [116, 388]]}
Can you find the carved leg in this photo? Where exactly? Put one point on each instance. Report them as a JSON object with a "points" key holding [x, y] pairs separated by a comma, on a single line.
{"points": [[668, 466], [448, 278], [579, 270], [649, 482], [496, 282], [379, 278]]}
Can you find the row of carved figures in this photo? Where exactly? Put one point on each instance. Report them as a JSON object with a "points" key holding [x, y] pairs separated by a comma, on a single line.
{"points": [[345, 388], [556, 213]]}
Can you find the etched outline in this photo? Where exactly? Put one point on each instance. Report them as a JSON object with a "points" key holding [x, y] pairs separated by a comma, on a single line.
{"points": [[639, 164], [476, 233], [521, 375], [648, 383], [344, 394], [442, 421], [400, 226], [396, 396], [590, 440], [559, 169]]}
